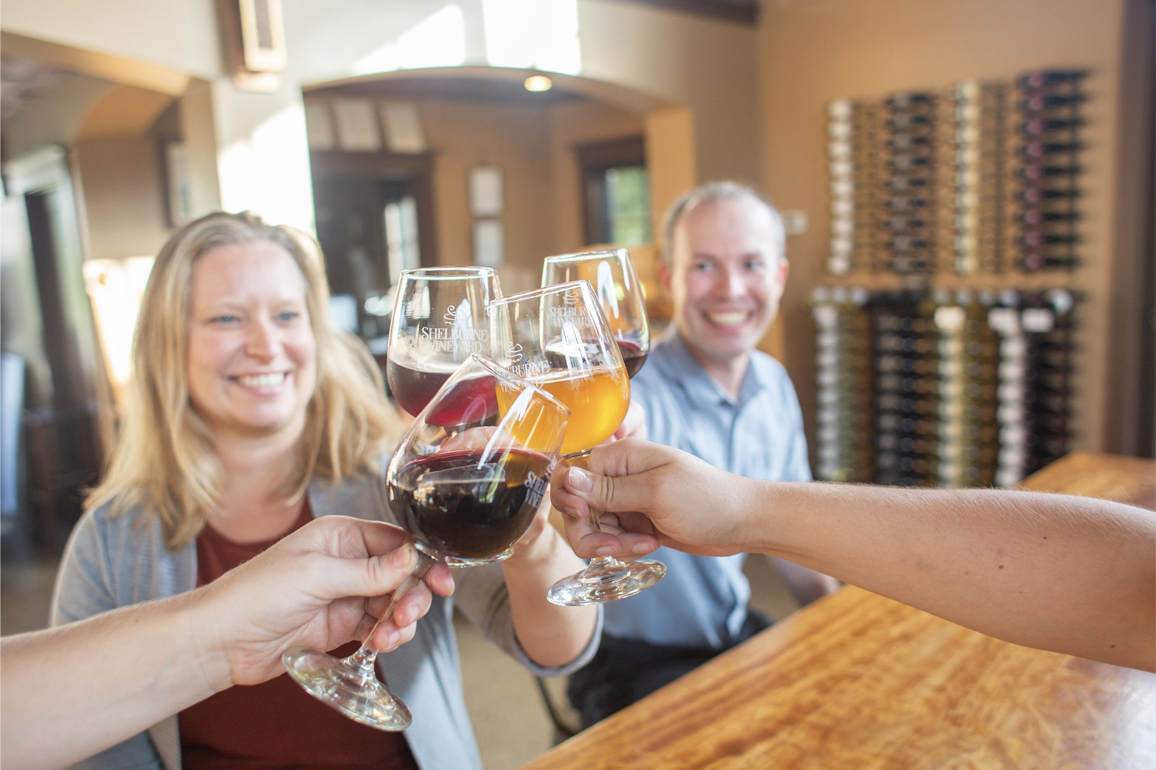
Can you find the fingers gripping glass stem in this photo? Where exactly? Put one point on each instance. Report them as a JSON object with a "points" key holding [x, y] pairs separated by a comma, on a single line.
{"points": [[606, 578], [351, 685]]}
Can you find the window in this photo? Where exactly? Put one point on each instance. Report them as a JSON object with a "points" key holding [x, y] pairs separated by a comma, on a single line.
{"points": [[615, 191]]}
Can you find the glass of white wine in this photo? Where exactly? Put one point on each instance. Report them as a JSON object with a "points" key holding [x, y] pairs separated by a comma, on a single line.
{"points": [[558, 339]]}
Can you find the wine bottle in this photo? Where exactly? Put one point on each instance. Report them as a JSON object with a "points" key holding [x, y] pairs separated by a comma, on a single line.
{"points": [[1045, 125], [1042, 78], [1041, 102]]}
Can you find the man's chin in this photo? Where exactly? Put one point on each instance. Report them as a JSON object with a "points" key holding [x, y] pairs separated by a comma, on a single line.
{"points": [[718, 348]]}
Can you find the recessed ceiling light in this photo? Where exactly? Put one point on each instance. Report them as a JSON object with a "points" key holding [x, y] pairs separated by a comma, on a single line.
{"points": [[539, 83]]}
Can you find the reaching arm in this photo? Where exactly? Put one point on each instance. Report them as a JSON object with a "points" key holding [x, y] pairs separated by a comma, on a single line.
{"points": [[72, 691], [1070, 574], [550, 635]]}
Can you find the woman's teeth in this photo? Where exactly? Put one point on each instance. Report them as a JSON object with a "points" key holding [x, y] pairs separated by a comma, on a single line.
{"points": [[262, 380]]}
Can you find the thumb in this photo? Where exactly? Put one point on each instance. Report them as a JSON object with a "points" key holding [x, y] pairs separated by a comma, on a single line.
{"points": [[372, 576], [607, 493]]}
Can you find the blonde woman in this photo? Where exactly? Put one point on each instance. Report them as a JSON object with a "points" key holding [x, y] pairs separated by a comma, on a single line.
{"points": [[250, 415]]}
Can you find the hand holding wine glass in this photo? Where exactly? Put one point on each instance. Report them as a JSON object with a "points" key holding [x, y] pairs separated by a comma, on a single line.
{"points": [[465, 482], [557, 338]]}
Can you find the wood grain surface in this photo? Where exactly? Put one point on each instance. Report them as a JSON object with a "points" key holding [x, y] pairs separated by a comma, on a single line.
{"points": [[859, 681]]}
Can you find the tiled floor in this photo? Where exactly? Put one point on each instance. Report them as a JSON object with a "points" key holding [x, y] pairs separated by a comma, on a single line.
{"points": [[509, 719]]}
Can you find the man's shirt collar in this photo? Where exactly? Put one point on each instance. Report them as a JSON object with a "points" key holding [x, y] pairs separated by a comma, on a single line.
{"points": [[700, 386]]}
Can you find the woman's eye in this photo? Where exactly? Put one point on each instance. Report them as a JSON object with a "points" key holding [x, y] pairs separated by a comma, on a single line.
{"points": [[224, 319], [288, 316]]}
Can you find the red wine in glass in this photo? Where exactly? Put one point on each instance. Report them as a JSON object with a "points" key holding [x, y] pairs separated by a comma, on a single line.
{"points": [[615, 282], [439, 319], [466, 481], [633, 356], [459, 504], [413, 388]]}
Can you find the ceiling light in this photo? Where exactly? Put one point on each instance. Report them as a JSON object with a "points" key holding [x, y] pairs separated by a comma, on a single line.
{"points": [[539, 83]]}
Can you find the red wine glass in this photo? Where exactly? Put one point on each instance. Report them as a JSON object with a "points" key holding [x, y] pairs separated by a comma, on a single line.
{"points": [[466, 482], [611, 273], [439, 320]]}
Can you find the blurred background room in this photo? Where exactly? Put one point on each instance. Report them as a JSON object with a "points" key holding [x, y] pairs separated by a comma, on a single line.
{"points": [[497, 132]]}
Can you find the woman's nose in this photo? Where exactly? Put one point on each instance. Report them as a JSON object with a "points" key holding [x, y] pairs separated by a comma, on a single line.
{"points": [[262, 340]]}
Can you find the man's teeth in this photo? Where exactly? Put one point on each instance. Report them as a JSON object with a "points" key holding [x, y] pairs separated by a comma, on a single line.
{"points": [[262, 380], [727, 319]]}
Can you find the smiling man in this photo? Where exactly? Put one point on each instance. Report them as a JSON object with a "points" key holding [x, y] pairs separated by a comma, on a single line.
{"points": [[708, 391]]}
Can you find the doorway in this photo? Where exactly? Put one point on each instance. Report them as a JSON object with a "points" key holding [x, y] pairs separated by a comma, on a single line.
{"points": [[374, 219]]}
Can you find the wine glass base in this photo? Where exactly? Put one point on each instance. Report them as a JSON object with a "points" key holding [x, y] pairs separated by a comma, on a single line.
{"points": [[461, 561], [607, 582], [362, 698]]}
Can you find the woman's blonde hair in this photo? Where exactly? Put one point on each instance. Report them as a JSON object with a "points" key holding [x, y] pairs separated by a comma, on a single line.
{"points": [[163, 460]]}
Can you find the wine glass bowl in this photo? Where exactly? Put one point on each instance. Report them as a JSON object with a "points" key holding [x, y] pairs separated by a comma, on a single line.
{"points": [[558, 338], [469, 474], [438, 321], [615, 282], [465, 482]]}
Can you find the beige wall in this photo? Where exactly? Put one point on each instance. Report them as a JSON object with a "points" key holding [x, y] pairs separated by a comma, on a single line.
{"points": [[513, 139], [120, 180], [176, 34], [814, 52], [262, 155]]}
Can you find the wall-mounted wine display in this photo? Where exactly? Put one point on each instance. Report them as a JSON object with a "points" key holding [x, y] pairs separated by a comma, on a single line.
{"points": [[942, 388], [979, 178]]}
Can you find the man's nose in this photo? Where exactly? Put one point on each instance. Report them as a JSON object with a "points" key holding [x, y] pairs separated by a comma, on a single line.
{"points": [[731, 283]]}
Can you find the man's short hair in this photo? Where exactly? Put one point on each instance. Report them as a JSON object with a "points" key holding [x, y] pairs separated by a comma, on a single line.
{"points": [[714, 191]]}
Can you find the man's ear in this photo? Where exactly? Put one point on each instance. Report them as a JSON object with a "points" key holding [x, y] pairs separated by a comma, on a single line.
{"points": [[662, 270], [783, 269]]}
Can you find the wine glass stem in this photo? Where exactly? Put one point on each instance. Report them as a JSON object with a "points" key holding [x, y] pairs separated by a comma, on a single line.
{"points": [[363, 659]]}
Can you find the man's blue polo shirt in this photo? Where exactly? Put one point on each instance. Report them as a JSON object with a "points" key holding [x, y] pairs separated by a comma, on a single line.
{"points": [[702, 601]]}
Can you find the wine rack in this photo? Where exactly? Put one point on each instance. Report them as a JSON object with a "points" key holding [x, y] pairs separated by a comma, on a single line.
{"points": [[942, 388], [980, 178], [948, 366]]}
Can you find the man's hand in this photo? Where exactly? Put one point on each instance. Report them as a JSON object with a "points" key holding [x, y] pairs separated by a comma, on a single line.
{"points": [[649, 495], [320, 587]]}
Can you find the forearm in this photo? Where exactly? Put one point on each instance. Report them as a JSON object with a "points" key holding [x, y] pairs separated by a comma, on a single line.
{"points": [[804, 583], [139, 665], [549, 634], [1062, 573]]}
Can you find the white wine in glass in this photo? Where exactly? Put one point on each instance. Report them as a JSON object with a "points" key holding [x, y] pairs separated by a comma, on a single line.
{"points": [[558, 338]]}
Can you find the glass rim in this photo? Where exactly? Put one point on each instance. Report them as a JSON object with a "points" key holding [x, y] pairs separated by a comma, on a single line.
{"points": [[553, 288], [579, 256], [501, 372], [438, 273]]}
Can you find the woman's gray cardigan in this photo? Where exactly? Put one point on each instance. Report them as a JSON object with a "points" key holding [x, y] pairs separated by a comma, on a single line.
{"points": [[117, 561]]}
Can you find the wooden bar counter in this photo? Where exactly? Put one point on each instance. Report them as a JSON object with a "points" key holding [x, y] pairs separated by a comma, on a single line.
{"points": [[859, 681]]}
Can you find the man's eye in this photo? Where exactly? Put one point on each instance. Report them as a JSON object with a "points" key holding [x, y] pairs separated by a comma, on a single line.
{"points": [[701, 266], [755, 264]]}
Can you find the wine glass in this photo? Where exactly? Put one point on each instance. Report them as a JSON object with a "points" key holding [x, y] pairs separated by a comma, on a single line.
{"points": [[465, 482], [557, 338], [611, 273], [438, 321]]}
